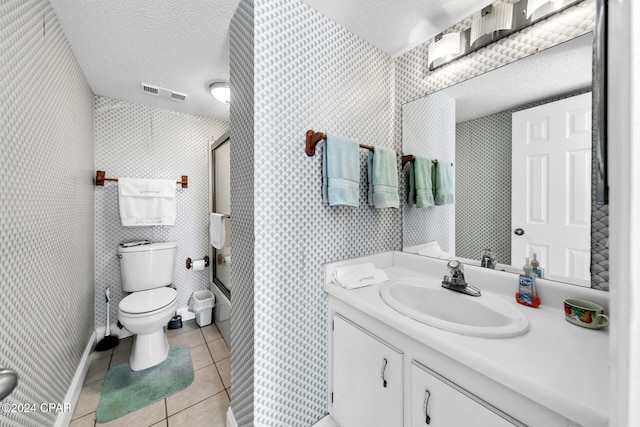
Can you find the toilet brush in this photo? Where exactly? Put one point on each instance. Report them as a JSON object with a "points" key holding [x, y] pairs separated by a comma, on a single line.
{"points": [[109, 341]]}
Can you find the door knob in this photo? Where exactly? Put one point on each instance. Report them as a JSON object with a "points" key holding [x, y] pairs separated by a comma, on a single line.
{"points": [[8, 381], [518, 231]]}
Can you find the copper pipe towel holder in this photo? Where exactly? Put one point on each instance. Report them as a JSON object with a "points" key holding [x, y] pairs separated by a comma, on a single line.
{"points": [[313, 138], [100, 179]]}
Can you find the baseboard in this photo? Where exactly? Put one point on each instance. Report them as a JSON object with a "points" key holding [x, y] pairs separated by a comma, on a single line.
{"points": [[231, 420], [64, 418]]}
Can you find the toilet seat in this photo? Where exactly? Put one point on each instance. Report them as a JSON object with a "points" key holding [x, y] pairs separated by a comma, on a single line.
{"points": [[144, 302]]}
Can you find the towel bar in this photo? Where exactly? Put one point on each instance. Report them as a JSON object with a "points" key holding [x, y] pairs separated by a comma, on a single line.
{"points": [[313, 138], [100, 179]]}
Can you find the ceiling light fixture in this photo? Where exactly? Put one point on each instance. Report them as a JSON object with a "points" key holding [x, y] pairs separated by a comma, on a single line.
{"points": [[221, 91]]}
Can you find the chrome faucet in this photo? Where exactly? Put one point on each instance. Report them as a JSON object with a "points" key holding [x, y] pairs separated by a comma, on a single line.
{"points": [[488, 259], [456, 281]]}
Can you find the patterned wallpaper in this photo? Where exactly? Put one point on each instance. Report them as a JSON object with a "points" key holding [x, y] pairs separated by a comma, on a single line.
{"points": [[421, 138], [46, 213], [138, 141], [413, 80], [242, 209], [308, 73]]}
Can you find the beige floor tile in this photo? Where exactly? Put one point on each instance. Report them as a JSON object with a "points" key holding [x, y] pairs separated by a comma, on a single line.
{"points": [[190, 339], [88, 399], [162, 423], [200, 356], [97, 370], [119, 357], [219, 350], [101, 354], [211, 332], [143, 417], [125, 345], [187, 326], [86, 421], [206, 383], [224, 368], [208, 413]]}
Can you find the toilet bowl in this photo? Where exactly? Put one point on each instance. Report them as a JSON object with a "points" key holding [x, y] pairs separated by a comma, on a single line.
{"points": [[146, 271], [144, 314]]}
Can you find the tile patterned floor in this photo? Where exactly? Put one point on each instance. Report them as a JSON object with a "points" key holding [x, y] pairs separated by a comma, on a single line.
{"points": [[204, 403]]}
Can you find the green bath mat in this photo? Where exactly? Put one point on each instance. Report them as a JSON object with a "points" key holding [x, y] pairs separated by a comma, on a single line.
{"points": [[125, 390]]}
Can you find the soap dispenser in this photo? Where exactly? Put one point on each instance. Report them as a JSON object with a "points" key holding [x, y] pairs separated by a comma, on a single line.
{"points": [[536, 270], [527, 292]]}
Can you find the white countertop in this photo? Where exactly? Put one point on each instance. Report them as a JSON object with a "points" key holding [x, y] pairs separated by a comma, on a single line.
{"points": [[559, 365]]}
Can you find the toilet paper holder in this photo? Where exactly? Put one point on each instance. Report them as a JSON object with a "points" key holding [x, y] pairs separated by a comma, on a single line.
{"points": [[190, 262]]}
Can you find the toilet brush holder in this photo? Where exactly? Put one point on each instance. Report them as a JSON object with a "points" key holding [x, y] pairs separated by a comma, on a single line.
{"points": [[175, 322]]}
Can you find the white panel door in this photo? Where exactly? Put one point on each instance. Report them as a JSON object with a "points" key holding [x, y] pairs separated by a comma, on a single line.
{"points": [[551, 187], [367, 378]]}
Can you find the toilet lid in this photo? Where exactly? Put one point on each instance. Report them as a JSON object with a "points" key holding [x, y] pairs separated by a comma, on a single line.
{"points": [[149, 300]]}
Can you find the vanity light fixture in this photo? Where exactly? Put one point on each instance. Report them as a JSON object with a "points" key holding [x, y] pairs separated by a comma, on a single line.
{"points": [[492, 18], [492, 24], [221, 91], [445, 45], [533, 5]]}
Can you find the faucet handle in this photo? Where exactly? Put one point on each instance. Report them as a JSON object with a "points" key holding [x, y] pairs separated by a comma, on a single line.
{"points": [[455, 268]]}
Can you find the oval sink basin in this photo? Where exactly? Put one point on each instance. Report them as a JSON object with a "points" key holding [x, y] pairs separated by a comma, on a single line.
{"points": [[429, 303]]}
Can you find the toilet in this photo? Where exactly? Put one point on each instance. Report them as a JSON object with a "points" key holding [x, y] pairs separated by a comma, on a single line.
{"points": [[146, 271]]}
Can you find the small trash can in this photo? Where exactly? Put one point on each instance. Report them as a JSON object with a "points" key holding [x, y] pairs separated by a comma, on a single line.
{"points": [[202, 303]]}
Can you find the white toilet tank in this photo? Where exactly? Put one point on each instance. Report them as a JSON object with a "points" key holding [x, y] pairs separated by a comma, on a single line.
{"points": [[147, 266]]}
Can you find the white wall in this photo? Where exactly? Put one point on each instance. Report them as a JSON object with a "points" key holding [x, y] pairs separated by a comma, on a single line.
{"points": [[624, 178]]}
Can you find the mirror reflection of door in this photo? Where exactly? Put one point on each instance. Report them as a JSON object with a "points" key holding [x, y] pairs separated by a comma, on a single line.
{"points": [[551, 196], [221, 203]]}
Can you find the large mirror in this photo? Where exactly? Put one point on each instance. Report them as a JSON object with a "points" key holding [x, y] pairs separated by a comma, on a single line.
{"points": [[510, 197]]}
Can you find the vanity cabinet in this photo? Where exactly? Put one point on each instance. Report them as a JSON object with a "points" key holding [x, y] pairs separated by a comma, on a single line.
{"points": [[367, 375], [437, 402]]}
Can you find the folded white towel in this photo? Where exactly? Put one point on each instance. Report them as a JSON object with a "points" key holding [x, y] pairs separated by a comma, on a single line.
{"points": [[219, 230], [147, 202], [359, 275]]}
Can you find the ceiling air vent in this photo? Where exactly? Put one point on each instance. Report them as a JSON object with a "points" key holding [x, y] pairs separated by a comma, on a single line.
{"points": [[178, 96], [151, 90]]}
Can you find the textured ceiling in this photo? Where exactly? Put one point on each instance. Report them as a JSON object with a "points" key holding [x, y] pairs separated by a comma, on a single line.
{"points": [[184, 46], [396, 26]]}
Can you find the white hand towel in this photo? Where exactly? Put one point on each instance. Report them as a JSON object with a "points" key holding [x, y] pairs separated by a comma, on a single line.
{"points": [[147, 202], [433, 249], [219, 230], [359, 275]]}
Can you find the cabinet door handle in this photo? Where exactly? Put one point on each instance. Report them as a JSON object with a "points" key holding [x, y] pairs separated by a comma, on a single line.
{"points": [[384, 366], [427, 395]]}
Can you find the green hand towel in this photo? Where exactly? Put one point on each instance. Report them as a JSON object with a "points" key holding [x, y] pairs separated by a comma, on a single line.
{"points": [[424, 187], [383, 179], [411, 185], [340, 171], [444, 184]]}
